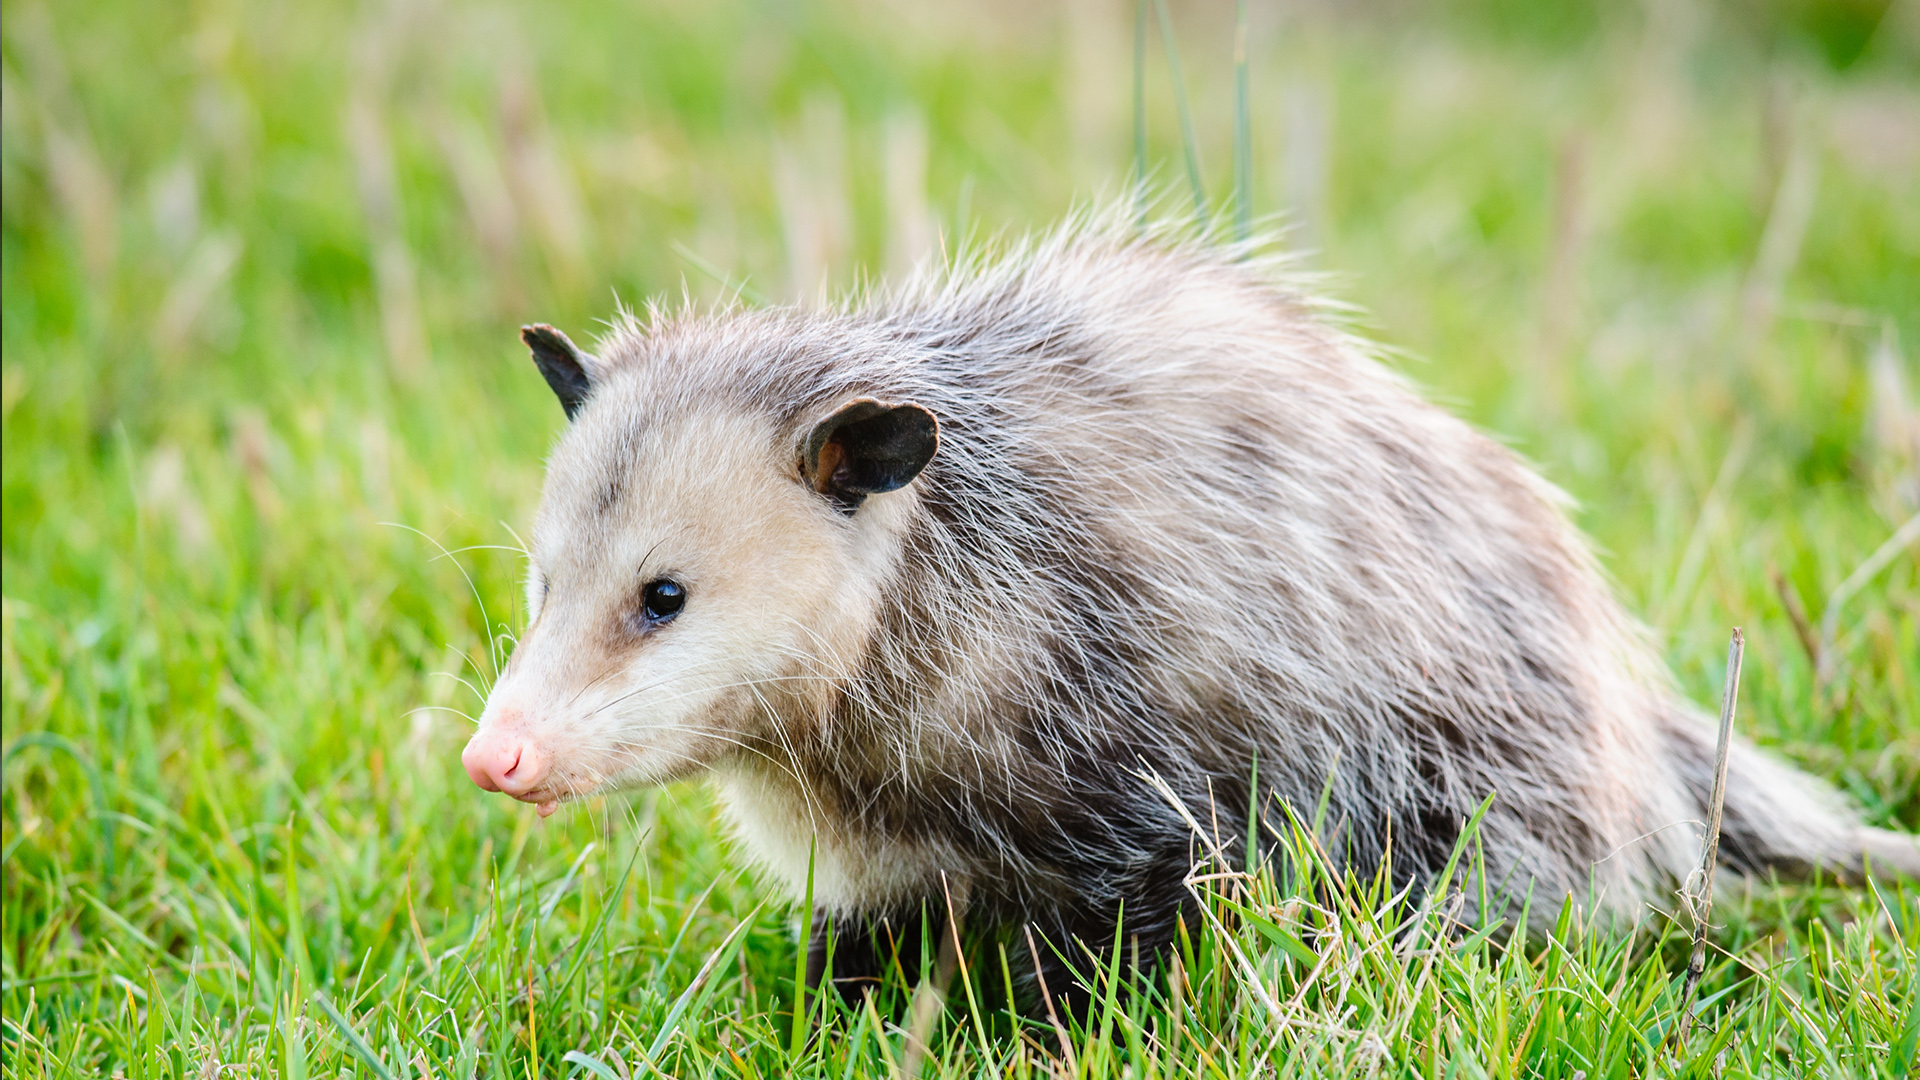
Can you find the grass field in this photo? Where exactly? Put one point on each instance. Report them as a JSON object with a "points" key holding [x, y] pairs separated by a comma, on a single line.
{"points": [[263, 265]]}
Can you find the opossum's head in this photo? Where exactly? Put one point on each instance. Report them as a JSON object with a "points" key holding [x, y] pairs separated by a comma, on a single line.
{"points": [[704, 576]]}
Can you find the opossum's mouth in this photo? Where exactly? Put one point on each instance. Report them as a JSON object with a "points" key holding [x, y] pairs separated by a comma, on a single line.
{"points": [[545, 800], [557, 790], [549, 797]]}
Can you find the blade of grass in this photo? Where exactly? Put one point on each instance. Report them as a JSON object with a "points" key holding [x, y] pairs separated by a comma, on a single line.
{"points": [[590, 1063], [560, 891], [293, 1047], [1140, 112], [800, 1010], [1242, 130], [697, 991], [740, 288], [296, 938], [966, 978], [354, 1042], [1189, 142], [52, 741], [1907, 535]]}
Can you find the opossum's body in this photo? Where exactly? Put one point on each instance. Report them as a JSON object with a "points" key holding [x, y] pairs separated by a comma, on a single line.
{"points": [[1174, 523]]}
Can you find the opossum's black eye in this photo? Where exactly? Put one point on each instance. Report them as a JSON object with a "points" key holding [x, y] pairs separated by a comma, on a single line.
{"points": [[663, 599]]}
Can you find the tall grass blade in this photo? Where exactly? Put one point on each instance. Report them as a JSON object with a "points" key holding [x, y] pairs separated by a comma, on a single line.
{"points": [[1242, 130], [52, 741], [698, 990], [559, 892], [354, 1042], [293, 1048], [592, 1064], [1189, 142], [1140, 112], [585, 949], [740, 288], [1905, 1055], [296, 945], [804, 946]]}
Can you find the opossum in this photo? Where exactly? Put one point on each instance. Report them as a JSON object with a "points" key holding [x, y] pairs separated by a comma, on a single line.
{"points": [[950, 587]]}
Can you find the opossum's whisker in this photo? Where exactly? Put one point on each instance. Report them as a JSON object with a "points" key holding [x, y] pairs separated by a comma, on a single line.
{"points": [[814, 666], [441, 708], [507, 633], [478, 672], [655, 685], [450, 553], [1648, 835], [698, 690], [634, 749], [522, 548], [596, 681], [470, 687], [475, 589], [780, 733]]}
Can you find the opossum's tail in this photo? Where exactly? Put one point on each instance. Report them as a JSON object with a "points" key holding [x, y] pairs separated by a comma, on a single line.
{"points": [[1781, 820]]}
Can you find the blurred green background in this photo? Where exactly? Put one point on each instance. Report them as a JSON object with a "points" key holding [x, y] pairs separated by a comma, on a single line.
{"points": [[264, 263]]}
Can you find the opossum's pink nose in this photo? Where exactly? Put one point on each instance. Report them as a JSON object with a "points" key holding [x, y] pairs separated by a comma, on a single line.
{"points": [[505, 761]]}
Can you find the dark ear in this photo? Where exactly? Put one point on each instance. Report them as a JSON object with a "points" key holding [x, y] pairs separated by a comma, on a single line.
{"points": [[867, 447], [568, 370]]}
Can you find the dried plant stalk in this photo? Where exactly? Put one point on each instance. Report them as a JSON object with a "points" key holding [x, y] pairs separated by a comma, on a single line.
{"points": [[1710, 853]]}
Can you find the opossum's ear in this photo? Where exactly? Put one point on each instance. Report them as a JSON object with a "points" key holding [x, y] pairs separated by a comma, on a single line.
{"points": [[867, 447], [568, 370]]}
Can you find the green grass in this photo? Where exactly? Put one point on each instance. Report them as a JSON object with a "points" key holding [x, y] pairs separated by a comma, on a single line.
{"points": [[229, 632]]}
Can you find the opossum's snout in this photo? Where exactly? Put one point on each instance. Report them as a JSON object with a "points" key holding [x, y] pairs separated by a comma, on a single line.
{"points": [[504, 761]]}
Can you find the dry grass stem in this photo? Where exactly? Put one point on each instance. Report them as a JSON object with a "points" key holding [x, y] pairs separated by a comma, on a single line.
{"points": [[1780, 244], [1702, 908], [1046, 996], [1797, 614], [1904, 537]]}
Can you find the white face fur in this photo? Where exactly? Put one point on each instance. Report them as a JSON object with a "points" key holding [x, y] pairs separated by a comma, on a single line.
{"points": [[777, 593]]}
